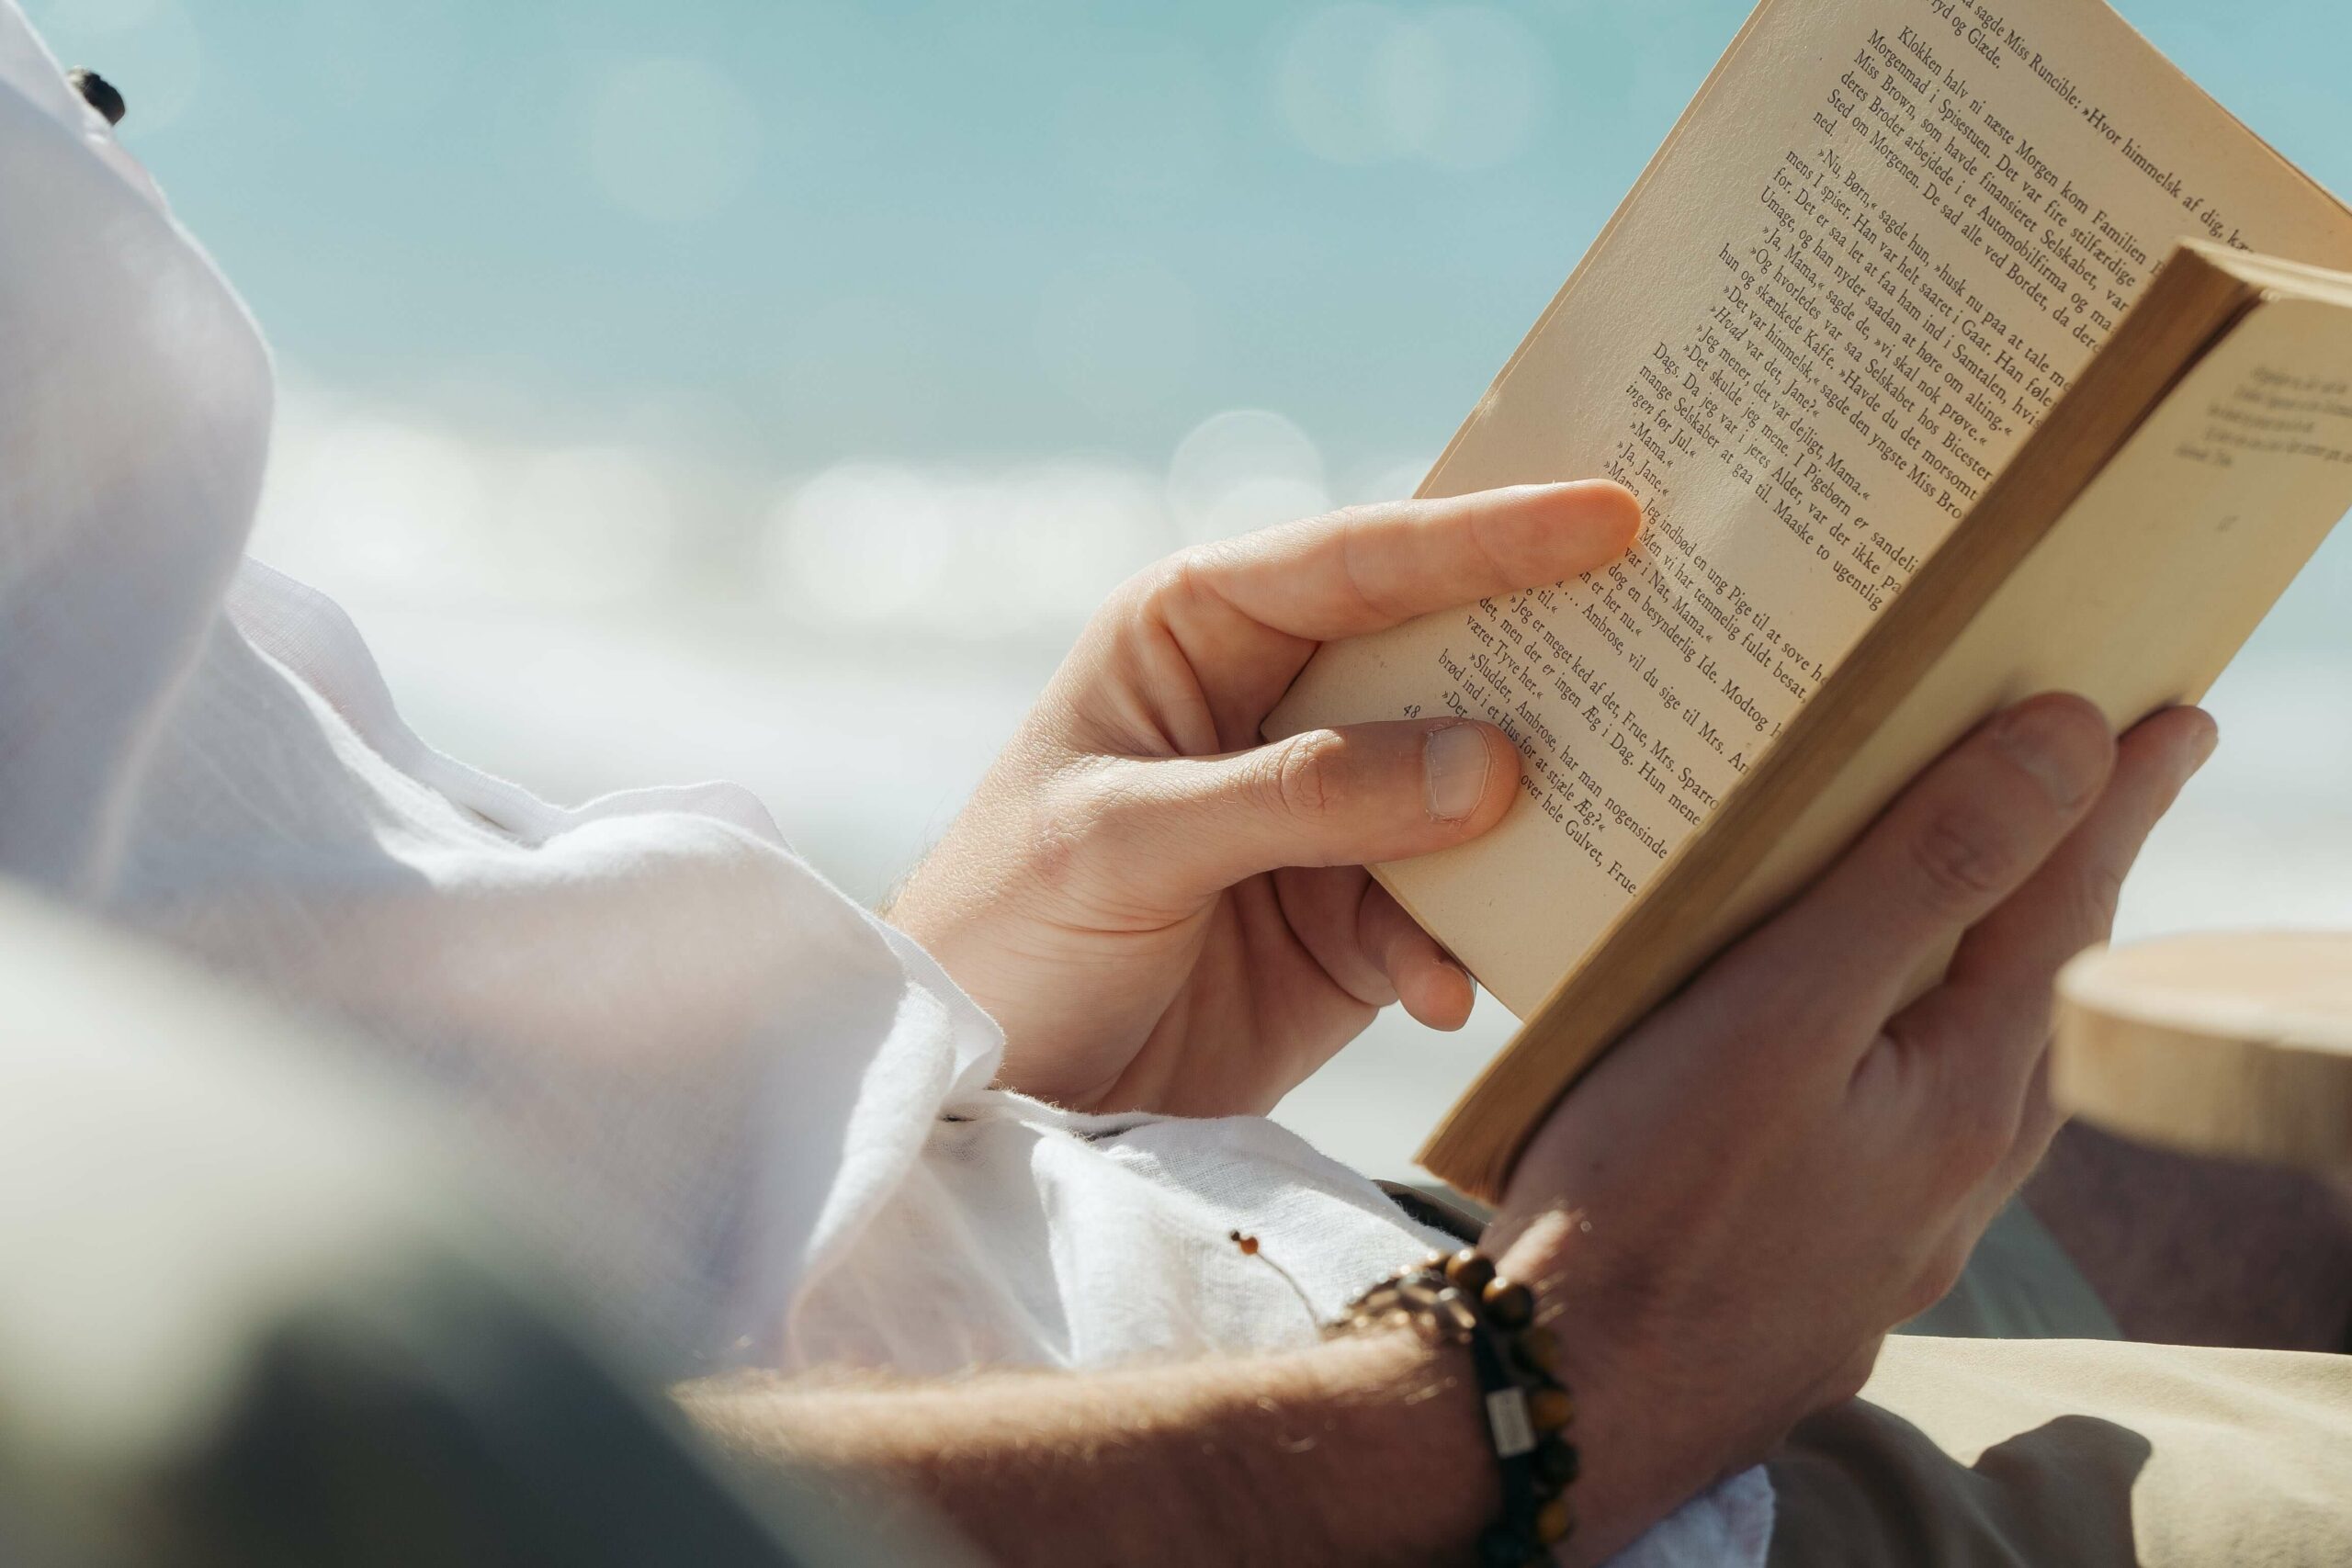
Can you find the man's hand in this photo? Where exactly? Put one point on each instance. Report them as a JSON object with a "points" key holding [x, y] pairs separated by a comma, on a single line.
{"points": [[1166, 915], [1785, 1162], [1723, 1219]]}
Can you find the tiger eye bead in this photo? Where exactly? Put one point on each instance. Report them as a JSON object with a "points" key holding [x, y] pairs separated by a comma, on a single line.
{"points": [[1556, 1461], [1509, 1304], [1539, 1347], [1549, 1409], [1552, 1522], [1469, 1272]]}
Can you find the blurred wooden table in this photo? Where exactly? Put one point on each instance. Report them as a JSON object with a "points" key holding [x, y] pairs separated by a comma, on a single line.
{"points": [[2236, 1044]]}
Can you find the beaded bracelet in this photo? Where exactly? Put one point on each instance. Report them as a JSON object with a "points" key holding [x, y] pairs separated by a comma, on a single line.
{"points": [[1462, 1301]]}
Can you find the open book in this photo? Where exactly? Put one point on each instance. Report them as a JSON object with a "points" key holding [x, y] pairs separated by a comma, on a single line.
{"points": [[1929, 411]]}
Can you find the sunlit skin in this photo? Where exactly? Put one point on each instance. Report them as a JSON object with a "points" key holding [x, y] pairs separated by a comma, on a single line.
{"points": [[1168, 914], [1724, 1220], [1165, 913]]}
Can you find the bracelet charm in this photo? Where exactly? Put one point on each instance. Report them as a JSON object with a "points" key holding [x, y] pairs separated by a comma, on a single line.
{"points": [[1507, 1419]]}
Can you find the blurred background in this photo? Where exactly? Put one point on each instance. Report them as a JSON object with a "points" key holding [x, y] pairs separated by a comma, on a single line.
{"points": [[718, 388]]}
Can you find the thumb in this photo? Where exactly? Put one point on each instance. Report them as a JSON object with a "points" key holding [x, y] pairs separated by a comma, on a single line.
{"points": [[1350, 796]]}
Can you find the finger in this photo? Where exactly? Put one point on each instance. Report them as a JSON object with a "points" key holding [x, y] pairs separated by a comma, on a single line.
{"points": [[2037, 1123], [1436, 990], [1990, 1020], [1324, 908], [1368, 568], [1966, 834], [2069, 905], [1981, 1038], [1980, 1151], [1362, 937], [1364, 794]]}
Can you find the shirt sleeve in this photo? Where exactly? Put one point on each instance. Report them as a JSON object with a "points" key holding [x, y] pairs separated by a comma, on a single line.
{"points": [[707, 1063]]}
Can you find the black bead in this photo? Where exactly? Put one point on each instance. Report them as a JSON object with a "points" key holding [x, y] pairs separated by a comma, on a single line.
{"points": [[1503, 1547], [100, 94], [1555, 1461]]}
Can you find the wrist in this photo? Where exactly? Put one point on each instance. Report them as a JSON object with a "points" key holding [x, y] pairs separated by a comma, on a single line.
{"points": [[1463, 1301], [1644, 1443], [1423, 1402], [1366, 1450]]}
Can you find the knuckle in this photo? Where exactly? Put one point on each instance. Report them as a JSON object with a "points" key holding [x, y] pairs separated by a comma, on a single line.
{"points": [[1351, 527], [1499, 553], [1971, 1114], [1307, 778], [1978, 1132], [1054, 864], [1054, 857], [1361, 514], [1187, 579], [1072, 816], [1960, 858], [1193, 584]]}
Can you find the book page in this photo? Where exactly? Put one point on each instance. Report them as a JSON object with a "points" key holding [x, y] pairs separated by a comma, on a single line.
{"points": [[1883, 240], [2125, 554], [2142, 591]]}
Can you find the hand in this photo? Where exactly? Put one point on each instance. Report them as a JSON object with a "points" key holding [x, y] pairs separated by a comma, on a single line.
{"points": [[1783, 1162], [1166, 915]]}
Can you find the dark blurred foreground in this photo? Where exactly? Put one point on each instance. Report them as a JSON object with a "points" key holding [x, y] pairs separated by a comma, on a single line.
{"points": [[249, 1317]]}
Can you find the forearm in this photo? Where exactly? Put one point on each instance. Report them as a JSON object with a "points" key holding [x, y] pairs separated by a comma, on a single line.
{"points": [[1364, 1450]]}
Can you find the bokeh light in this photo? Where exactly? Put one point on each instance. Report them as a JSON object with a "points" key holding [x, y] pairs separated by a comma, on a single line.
{"points": [[1476, 88], [589, 526], [1459, 87], [682, 385], [1394, 479], [1242, 470], [861, 542], [389, 507], [960, 553]]}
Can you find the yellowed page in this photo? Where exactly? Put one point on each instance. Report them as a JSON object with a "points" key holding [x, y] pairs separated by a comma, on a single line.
{"points": [[1881, 241], [2147, 586]]}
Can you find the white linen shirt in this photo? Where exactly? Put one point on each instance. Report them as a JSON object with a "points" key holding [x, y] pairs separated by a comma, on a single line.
{"points": [[767, 1112]]}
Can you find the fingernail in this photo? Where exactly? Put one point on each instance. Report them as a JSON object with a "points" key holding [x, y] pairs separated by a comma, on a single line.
{"points": [[1455, 764], [2049, 743], [2209, 741]]}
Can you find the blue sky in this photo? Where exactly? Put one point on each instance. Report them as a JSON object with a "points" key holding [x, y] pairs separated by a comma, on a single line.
{"points": [[681, 389], [946, 230], [925, 317]]}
